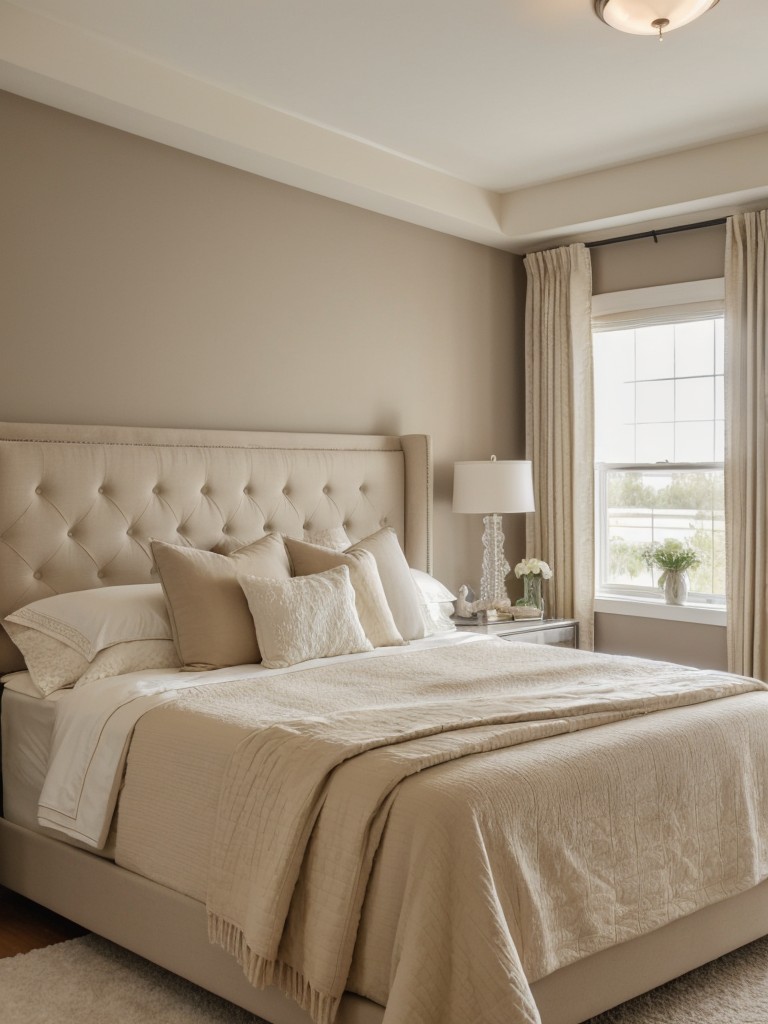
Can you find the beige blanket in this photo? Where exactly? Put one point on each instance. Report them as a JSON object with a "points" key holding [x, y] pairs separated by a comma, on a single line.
{"points": [[308, 797]]}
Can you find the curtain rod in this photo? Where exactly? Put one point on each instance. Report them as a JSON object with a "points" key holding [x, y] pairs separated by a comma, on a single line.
{"points": [[654, 234]]}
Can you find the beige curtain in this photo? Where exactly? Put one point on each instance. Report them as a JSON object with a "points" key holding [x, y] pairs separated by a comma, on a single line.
{"points": [[746, 479], [559, 428]]}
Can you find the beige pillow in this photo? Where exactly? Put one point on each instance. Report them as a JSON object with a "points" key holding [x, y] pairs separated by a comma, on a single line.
{"points": [[212, 626], [306, 617], [401, 592], [372, 607]]}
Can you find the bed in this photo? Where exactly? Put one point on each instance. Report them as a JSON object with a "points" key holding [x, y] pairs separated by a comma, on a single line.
{"points": [[80, 508]]}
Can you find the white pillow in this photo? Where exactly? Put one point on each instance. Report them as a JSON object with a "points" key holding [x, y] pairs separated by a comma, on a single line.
{"points": [[305, 617], [90, 620], [89, 635], [52, 665], [436, 603]]}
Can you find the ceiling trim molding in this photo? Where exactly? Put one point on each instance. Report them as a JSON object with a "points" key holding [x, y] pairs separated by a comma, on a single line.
{"points": [[85, 74]]}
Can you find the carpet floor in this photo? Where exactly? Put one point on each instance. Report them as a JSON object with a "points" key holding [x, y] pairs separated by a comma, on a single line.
{"points": [[91, 981]]}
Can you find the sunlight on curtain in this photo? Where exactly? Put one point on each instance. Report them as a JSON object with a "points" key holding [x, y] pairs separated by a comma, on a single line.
{"points": [[559, 428], [746, 478]]}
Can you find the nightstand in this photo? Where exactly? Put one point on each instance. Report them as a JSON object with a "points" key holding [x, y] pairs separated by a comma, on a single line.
{"points": [[556, 632]]}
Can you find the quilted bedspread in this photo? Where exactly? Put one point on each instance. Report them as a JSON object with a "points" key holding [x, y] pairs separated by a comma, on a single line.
{"points": [[646, 805]]}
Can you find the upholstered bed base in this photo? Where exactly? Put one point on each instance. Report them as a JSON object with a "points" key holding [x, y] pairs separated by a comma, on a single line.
{"points": [[170, 929], [78, 506]]}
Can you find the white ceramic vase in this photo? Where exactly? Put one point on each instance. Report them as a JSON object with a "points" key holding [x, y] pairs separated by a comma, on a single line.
{"points": [[676, 587]]}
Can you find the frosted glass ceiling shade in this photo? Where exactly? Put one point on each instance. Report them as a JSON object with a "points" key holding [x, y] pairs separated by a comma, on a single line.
{"points": [[492, 486], [650, 17]]}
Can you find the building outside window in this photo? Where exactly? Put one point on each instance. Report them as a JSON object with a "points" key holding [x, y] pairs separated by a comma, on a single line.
{"points": [[659, 436]]}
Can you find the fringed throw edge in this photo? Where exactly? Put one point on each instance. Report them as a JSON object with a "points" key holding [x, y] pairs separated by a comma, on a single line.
{"points": [[261, 971]]}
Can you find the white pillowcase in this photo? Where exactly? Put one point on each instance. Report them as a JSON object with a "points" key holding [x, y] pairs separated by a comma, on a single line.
{"points": [[90, 620], [305, 617], [436, 603], [87, 635]]}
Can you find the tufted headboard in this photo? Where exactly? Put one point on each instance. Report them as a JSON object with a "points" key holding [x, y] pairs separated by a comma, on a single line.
{"points": [[79, 505]]}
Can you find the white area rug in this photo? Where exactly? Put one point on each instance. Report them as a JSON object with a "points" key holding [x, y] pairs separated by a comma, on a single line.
{"points": [[91, 981]]}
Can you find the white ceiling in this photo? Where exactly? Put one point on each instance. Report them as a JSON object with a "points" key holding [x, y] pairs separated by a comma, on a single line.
{"points": [[515, 122]]}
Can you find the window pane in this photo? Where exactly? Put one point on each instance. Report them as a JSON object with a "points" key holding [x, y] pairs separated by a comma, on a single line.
{"points": [[695, 442], [642, 507], [694, 348], [615, 396], [655, 352], [655, 442], [719, 441], [695, 398], [655, 401], [719, 398]]}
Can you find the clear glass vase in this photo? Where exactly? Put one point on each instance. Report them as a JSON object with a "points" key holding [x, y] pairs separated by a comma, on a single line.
{"points": [[532, 597]]}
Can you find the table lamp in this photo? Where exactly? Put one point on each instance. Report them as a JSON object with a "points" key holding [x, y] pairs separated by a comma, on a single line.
{"points": [[490, 488]]}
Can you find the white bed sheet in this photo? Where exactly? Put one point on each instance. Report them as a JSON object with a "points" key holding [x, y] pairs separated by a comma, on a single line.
{"points": [[94, 726], [27, 728]]}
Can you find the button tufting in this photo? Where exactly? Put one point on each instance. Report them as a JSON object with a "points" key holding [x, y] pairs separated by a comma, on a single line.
{"points": [[129, 532], [100, 574], [38, 575], [307, 526], [326, 489], [225, 528], [69, 533], [155, 489], [286, 492], [101, 490], [205, 489], [179, 529], [268, 527], [246, 490], [38, 490]]}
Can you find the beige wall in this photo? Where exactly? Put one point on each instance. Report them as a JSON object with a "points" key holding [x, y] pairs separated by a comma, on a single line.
{"points": [[142, 285], [688, 256]]}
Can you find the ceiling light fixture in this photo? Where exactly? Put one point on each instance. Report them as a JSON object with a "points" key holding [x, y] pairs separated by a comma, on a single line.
{"points": [[650, 17]]}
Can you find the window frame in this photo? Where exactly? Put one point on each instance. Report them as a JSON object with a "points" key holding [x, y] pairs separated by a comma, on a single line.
{"points": [[617, 310]]}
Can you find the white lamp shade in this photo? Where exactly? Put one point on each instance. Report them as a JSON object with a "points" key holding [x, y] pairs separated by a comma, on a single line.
{"points": [[637, 16], [491, 486]]}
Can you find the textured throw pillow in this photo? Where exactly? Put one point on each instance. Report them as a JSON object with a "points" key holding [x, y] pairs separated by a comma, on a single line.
{"points": [[371, 602], [402, 595], [53, 665], [334, 537], [304, 618], [90, 620], [436, 603], [212, 626]]}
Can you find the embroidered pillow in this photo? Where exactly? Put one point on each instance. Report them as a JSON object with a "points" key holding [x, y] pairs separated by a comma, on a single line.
{"points": [[305, 617]]}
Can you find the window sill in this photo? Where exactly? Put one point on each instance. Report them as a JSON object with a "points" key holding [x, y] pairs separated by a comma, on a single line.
{"points": [[647, 608]]}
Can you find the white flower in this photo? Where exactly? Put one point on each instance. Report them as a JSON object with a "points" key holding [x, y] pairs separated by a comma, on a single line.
{"points": [[533, 567]]}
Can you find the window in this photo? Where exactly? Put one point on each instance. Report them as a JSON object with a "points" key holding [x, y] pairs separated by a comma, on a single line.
{"points": [[659, 436]]}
